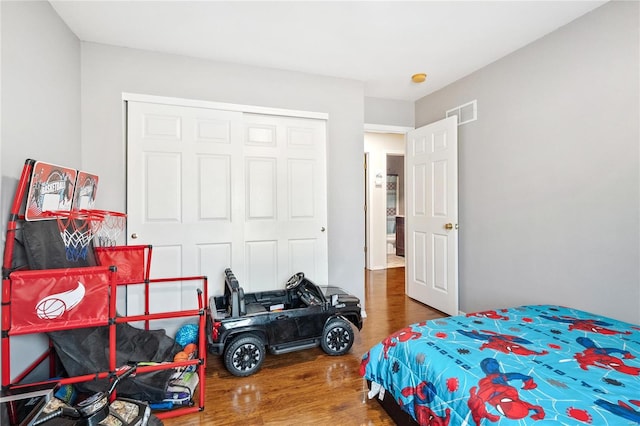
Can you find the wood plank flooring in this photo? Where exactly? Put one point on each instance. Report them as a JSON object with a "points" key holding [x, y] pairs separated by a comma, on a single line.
{"points": [[309, 387]]}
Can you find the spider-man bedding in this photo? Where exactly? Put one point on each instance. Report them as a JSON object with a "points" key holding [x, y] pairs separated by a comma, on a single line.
{"points": [[526, 365]]}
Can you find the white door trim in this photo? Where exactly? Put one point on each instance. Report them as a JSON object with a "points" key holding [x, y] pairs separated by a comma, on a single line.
{"points": [[385, 128], [223, 106]]}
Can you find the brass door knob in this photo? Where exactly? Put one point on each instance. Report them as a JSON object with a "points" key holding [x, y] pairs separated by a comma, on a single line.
{"points": [[448, 226]]}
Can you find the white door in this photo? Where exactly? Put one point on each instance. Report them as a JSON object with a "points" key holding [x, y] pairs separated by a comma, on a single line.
{"points": [[284, 200], [431, 219], [212, 189]]}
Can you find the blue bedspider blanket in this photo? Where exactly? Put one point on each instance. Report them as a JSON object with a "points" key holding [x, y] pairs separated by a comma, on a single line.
{"points": [[533, 365]]}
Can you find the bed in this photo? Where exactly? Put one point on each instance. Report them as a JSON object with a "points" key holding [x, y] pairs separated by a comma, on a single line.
{"points": [[539, 364]]}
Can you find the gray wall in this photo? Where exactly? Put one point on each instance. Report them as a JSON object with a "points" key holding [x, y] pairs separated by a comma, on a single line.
{"points": [[108, 71], [40, 81], [389, 112], [549, 173], [40, 90], [50, 81]]}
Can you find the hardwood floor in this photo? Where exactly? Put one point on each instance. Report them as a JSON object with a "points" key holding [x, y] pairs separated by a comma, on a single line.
{"points": [[310, 387]]}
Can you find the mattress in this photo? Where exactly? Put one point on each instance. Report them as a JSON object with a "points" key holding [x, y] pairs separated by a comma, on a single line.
{"points": [[539, 364]]}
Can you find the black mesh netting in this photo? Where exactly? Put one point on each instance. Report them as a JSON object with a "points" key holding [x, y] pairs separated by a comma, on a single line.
{"points": [[86, 350]]}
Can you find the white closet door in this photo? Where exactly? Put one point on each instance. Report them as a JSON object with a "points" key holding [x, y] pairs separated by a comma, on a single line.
{"points": [[212, 189], [285, 200]]}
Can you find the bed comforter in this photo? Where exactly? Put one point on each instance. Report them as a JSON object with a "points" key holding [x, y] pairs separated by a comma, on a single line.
{"points": [[526, 365]]}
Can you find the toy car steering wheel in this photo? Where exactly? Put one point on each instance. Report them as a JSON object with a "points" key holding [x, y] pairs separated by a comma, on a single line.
{"points": [[294, 281]]}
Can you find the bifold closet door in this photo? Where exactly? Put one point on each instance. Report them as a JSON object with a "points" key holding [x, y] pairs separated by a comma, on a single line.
{"points": [[212, 189]]}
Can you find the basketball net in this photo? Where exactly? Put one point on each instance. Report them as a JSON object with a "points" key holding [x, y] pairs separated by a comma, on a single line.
{"points": [[110, 229], [77, 229]]}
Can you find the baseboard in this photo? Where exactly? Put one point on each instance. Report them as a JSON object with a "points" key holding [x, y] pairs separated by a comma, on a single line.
{"points": [[377, 268]]}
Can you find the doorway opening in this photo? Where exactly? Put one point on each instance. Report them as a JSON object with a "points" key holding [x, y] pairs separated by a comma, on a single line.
{"points": [[384, 198], [395, 211]]}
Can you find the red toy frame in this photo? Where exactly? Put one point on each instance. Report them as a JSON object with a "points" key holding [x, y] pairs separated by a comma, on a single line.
{"points": [[122, 266]]}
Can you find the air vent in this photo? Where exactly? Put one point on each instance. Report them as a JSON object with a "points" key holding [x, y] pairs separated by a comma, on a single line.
{"points": [[466, 113]]}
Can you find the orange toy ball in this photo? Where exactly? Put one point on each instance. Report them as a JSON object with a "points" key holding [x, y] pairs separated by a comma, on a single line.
{"points": [[181, 356], [190, 348]]}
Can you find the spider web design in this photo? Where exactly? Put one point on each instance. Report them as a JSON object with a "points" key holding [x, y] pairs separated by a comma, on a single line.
{"points": [[541, 375]]}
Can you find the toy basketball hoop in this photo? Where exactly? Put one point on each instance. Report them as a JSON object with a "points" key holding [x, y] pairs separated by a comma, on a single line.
{"points": [[77, 229], [112, 226]]}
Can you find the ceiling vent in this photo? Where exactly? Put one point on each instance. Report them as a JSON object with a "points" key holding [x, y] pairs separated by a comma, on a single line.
{"points": [[466, 113]]}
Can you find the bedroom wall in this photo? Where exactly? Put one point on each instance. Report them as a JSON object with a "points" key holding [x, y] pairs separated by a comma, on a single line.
{"points": [[108, 71], [389, 112], [40, 85], [40, 91], [549, 173], [41, 106]]}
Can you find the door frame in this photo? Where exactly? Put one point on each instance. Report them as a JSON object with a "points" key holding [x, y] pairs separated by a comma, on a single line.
{"points": [[369, 230], [253, 109]]}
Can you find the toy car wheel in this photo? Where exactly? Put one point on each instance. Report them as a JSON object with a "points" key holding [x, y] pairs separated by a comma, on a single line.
{"points": [[337, 337], [244, 356]]}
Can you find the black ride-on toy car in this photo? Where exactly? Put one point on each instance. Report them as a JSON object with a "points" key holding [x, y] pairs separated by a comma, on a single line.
{"points": [[303, 315]]}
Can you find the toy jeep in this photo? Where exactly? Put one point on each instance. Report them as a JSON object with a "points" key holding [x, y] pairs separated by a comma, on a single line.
{"points": [[301, 316]]}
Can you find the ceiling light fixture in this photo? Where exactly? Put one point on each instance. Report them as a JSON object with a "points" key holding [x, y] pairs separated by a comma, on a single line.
{"points": [[419, 78]]}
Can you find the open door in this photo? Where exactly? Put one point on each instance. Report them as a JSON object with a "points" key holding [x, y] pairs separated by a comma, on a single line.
{"points": [[432, 215]]}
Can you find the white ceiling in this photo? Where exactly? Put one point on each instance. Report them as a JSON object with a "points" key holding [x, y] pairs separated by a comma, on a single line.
{"points": [[381, 43]]}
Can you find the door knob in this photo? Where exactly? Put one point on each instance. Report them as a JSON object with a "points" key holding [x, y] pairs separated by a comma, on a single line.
{"points": [[322, 229], [134, 236], [448, 226]]}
